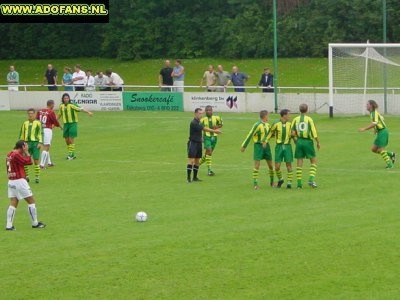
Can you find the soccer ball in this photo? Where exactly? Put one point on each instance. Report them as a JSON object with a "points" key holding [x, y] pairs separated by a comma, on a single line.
{"points": [[141, 216]]}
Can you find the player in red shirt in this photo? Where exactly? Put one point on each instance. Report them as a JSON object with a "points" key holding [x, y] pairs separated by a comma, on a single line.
{"points": [[18, 187], [49, 120]]}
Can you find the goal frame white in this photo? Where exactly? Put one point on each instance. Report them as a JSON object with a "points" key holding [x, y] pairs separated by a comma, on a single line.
{"points": [[349, 45]]}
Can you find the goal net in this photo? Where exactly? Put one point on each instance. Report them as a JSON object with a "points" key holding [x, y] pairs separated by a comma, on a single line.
{"points": [[359, 72]]}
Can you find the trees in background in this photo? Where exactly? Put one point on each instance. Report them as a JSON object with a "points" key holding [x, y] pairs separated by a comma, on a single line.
{"points": [[141, 29]]}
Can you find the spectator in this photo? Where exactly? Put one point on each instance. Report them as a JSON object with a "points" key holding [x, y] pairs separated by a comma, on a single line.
{"points": [[115, 81], [13, 79], [165, 77], [89, 81], [178, 74], [267, 80], [238, 79], [101, 81], [67, 79], [223, 79], [78, 78], [210, 79], [51, 76]]}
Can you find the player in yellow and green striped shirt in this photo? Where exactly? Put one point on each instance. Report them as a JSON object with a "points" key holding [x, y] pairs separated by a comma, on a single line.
{"points": [[31, 132], [304, 133], [382, 134], [210, 138], [258, 133], [283, 148], [68, 112]]}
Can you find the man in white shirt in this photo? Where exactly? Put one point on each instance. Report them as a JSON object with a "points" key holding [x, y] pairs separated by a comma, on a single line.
{"points": [[89, 81], [78, 78], [115, 81]]}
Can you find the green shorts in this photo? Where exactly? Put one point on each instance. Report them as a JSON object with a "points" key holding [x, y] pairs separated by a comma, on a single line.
{"points": [[33, 149], [261, 153], [70, 130], [283, 153], [304, 149], [382, 138], [210, 142]]}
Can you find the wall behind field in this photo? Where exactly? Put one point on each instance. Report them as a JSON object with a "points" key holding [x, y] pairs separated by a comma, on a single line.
{"points": [[221, 102]]}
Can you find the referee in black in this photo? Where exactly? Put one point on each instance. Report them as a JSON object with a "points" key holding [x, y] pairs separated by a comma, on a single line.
{"points": [[194, 145]]}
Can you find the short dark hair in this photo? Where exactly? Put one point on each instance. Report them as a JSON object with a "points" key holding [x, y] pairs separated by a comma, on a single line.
{"points": [[19, 144], [30, 109], [50, 102], [108, 72], [178, 61], [197, 110], [303, 108], [284, 112], [263, 113], [208, 106], [78, 66]]}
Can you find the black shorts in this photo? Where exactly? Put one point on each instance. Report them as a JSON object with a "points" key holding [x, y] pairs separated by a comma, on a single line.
{"points": [[194, 149]]}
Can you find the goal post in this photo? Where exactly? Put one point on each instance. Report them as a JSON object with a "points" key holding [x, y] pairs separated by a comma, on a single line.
{"points": [[359, 71]]}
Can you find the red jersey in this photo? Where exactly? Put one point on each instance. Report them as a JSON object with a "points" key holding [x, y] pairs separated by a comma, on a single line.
{"points": [[15, 163], [48, 118]]}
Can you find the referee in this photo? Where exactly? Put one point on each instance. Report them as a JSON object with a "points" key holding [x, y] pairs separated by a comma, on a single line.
{"points": [[194, 145]]}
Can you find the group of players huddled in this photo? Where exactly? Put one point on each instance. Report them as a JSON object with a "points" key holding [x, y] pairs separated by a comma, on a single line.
{"points": [[34, 143], [301, 130]]}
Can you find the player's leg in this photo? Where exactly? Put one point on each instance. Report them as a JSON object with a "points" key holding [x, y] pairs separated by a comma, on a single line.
{"points": [[36, 157], [256, 172], [44, 156], [381, 141], [288, 157], [196, 166], [267, 155], [189, 166], [310, 153], [30, 150], [299, 154], [33, 213], [12, 208], [278, 161], [209, 153]]}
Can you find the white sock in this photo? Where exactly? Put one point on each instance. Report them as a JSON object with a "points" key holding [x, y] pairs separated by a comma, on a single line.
{"points": [[43, 158], [33, 214], [48, 159], [10, 216]]}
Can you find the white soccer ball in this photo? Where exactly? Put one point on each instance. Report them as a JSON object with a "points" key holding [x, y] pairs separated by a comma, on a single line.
{"points": [[141, 216]]}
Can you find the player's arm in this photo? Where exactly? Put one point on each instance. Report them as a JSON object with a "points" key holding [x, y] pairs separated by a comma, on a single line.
{"points": [[22, 132], [294, 132], [370, 126], [248, 137], [202, 80], [160, 80], [271, 133], [86, 111], [211, 130], [220, 123], [54, 119], [314, 133], [39, 135]]}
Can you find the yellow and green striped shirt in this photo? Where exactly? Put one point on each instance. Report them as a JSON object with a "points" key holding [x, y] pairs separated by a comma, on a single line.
{"points": [[281, 131], [69, 112], [31, 131], [258, 133], [304, 127], [378, 120], [212, 123]]}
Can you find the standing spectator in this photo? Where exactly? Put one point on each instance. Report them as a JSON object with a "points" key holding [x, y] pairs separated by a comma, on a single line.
{"points": [[165, 80], [101, 81], [69, 114], [210, 79], [223, 79], [51, 76], [18, 187], [67, 79], [262, 151], [89, 81], [78, 78], [304, 134], [115, 81], [178, 74], [31, 132], [13, 79], [49, 120], [267, 80], [238, 79]]}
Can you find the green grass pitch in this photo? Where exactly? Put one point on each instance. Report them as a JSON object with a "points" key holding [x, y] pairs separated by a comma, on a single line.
{"points": [[217, 239]]}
